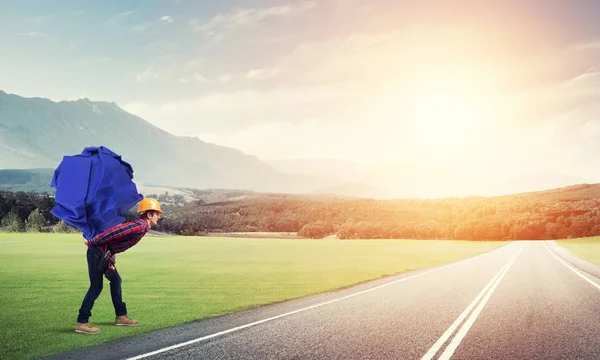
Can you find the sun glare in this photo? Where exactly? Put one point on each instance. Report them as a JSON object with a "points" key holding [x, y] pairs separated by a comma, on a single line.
{"points": [[443, 118], [440, 104], [451, 111]]}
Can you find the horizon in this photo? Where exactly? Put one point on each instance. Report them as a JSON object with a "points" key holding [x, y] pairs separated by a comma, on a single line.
{"points": [[146, 189], [502, 90]]}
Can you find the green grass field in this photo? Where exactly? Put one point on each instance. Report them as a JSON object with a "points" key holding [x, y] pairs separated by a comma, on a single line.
{"points": [[586, 248], [173, 280]]}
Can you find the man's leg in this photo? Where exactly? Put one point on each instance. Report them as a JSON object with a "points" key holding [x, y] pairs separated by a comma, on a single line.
{"points": [[116, 293], [96, 282], [117, 299]]}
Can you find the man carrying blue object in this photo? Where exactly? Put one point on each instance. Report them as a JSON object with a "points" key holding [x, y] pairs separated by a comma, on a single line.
{"points": [[93, 190], [101, 262]]}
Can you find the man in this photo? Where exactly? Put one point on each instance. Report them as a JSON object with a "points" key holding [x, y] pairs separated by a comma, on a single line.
{"points": [[104, 247]]}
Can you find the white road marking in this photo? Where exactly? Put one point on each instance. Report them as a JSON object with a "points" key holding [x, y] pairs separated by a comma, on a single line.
{"points": [[455, 342], [572, 268], [487, 292], [190, 342]]}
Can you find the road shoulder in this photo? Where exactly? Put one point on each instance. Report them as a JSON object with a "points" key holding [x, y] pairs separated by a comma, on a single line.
{"points": [[578, 262]]}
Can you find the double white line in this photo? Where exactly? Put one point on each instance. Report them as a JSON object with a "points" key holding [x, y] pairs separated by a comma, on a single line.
{"points": [[485, 294]]}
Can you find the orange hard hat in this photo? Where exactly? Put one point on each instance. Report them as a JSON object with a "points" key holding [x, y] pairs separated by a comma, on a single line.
{"points": [[149, 204]]}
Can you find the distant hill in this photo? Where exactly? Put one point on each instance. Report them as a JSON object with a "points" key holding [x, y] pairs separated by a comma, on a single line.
{"points": [[28, 180], [543, 181], [38, 181], [37, 133], [354, 189], [400, 182], [567, 193]]}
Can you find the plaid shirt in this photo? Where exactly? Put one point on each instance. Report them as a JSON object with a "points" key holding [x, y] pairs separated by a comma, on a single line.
{"points": [[121, 237]]}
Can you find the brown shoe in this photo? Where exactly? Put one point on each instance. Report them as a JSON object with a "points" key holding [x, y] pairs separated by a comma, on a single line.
{"points": [[86, 328], [125, 321]]}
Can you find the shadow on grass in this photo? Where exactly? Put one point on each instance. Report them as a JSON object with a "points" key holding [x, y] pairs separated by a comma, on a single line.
{"points": [[68, 330], [105, 323]]}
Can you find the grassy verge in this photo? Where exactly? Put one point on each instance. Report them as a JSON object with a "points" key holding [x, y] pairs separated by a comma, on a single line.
{"points": [[586, 248], [173, 280]]}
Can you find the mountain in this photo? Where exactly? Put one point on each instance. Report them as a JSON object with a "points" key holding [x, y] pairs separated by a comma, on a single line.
{"points": [[329, 172], [375, 181], [37, 133], [36, 180]]}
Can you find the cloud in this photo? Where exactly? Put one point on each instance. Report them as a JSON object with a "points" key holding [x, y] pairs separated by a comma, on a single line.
{"points": [[40, 20], [557, 123], [224, 78], [589, 80], [298, 115], [361, 80], [115, 19], [124, 20], [354, 57], [216, 27], [594, 45], [272, 39], [355, 5], [200, 78], [167, 19], [289, 138], [558, 99], [251, 107], [263, 74], [395, 64], [182, 71], [34, 34], [140, 28], [137, 107], [149, 73]]}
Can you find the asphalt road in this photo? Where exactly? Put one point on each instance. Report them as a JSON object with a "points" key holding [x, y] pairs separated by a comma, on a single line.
{"points": [[520, 301]]}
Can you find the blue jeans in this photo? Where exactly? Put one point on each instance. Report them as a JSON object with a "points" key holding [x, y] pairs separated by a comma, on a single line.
{"points": [[96, 281]]}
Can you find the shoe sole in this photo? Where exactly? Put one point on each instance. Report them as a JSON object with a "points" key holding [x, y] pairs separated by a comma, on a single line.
{"points": [[127, 324], [85, 332]]}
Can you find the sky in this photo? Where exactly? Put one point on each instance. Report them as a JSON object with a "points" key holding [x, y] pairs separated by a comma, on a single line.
{"points": [[503, 87]]}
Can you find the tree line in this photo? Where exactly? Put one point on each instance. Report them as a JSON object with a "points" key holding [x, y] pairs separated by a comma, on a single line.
{"points": [[557, 214], [29, 211]]}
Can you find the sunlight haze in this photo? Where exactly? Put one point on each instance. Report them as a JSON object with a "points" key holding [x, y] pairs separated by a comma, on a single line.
{"points": [[484, 89]]}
